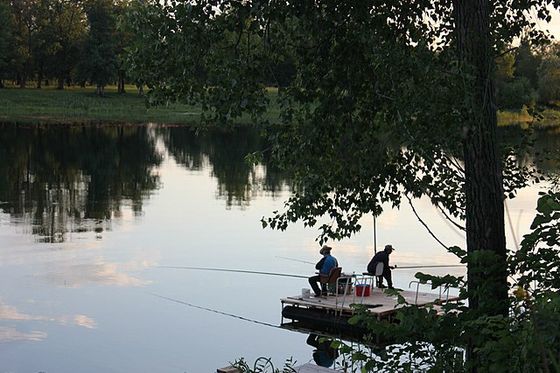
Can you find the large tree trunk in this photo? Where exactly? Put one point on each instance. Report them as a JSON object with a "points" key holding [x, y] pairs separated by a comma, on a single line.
{"points": [[486, 244], [484, 191], [60, 84]]}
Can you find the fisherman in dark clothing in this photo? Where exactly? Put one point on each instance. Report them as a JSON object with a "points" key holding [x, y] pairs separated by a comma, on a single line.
{"points": [[382, 257]]}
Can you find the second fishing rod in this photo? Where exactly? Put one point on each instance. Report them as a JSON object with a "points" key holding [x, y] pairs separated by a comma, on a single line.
{"points": [[395, 267]]}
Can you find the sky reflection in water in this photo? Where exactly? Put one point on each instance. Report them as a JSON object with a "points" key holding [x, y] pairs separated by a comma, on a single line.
{"points": [[87, 216]]}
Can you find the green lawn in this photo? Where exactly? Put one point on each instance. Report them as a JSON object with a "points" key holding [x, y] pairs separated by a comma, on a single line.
{"points": [[548, 118], [81, 105]]}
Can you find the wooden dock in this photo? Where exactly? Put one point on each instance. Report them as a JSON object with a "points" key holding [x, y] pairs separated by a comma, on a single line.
{"points": [[331, 314], [378, 303], [305, 368]]}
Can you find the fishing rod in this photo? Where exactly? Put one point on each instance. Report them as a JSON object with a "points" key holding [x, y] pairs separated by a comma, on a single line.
{"points": [[430, 266], [396, 267], [295, 260], [234, 270]]}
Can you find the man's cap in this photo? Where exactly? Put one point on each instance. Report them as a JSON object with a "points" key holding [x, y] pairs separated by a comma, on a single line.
{"points": [[389, 248], [325, 250]]}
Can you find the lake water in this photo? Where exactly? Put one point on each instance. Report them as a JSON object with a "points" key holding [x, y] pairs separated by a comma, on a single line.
{"points": [[90, 217]]}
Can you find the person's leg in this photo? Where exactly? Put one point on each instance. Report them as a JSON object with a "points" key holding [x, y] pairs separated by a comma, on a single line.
{"points": [[313, 280], [379, 281], [387, 275]]}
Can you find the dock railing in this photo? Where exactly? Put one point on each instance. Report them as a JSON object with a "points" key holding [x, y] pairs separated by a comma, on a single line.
{"points": [[346, 280], [443, 290]]}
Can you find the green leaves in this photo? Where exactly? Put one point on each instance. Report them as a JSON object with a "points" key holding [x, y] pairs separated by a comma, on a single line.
{"points": [[538, 259]]}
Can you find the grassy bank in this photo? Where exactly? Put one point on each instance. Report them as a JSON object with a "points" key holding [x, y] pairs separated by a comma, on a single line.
{"points": [[81, 105], [547, 118]]}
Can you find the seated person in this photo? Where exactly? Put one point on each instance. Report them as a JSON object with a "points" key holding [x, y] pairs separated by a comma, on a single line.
{"points": [[324, 266], [382, 257]]}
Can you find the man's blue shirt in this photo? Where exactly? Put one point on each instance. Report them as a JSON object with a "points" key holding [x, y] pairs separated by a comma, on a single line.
{"points": [[329, 263]]}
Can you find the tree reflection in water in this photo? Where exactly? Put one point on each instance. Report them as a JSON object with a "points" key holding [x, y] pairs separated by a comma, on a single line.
{"points": [[74, 179], [64, 179], [61, 179], [225, 151]]}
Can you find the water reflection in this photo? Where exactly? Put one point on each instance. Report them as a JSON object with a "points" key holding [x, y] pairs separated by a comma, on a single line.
{"points": [[74, 179], [73, 275], [542, 152], [64, 179], [11, 313], [324, 354], [11, 334], [225, 151]]}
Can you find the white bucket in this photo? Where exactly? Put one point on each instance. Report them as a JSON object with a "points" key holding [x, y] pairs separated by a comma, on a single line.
{"points": [[305, 293]]}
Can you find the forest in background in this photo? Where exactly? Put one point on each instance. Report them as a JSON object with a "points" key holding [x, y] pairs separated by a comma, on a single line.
{"points": [[65, 43]]}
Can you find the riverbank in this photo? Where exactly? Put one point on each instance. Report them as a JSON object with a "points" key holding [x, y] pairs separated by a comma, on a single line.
{"points": [[547, 118], [81, 105]]}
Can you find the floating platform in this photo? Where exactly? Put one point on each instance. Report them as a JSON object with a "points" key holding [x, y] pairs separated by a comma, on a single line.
{"points": [[331, 313]]}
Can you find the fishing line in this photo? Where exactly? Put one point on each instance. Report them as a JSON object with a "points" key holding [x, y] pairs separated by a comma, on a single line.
{"points": [[301, 330], [215, 311], [234, 270]]}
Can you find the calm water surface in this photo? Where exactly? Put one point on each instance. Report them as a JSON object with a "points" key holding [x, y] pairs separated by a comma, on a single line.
{"points": [[89, 215]]}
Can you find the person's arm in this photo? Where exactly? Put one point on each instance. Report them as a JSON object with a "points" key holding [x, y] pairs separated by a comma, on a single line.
{"points": [[319, 264]]}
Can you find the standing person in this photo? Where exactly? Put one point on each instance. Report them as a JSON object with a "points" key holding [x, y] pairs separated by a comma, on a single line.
{"points": [[382, 257], [324, 266]]}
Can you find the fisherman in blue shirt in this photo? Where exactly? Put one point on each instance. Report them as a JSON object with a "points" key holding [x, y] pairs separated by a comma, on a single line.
{"points": [[324, 266]]}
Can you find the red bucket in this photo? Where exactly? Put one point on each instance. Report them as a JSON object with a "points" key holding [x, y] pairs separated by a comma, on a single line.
{"points": [[362, 290]]}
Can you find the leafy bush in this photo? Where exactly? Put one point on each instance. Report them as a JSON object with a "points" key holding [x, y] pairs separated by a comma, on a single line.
{"points": [[527, 340], [515, 94]]}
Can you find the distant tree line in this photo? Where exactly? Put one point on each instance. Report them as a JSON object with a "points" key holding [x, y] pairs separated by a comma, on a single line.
{"points": [[61, 42], [528, 75], [79, 42]]}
